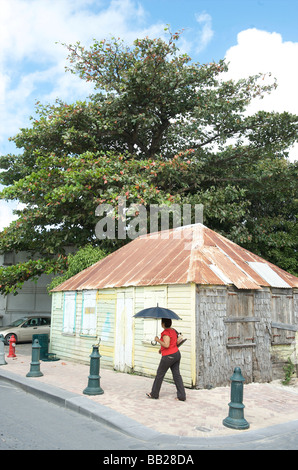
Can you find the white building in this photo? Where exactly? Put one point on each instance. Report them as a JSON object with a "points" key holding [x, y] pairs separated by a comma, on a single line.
{"points": [[33, 298]]}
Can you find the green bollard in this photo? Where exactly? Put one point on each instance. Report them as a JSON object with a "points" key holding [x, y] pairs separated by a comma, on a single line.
{"points": [[236, 420], [35, 364], [94, 382]]}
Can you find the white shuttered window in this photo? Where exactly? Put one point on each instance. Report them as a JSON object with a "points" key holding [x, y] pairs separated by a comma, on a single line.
{"points": [[69, 313], [89, 314]]}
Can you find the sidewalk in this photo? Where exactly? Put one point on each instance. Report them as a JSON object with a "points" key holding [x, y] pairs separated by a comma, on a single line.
{"points": [[200, 415]]}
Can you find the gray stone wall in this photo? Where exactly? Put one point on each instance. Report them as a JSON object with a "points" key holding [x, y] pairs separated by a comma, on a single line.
{"points": [[212, 358], [233, 330], [262, 366]]}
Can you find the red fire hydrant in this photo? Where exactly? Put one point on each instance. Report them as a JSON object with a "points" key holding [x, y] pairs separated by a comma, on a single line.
{"points": [[12, 347]]}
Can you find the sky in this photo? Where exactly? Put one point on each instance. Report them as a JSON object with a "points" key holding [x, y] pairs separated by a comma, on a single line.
{"points": [[253, 35]]}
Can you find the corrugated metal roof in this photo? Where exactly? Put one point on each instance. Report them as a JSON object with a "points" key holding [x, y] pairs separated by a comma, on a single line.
{"points": [[268, 274], [182, 255]]}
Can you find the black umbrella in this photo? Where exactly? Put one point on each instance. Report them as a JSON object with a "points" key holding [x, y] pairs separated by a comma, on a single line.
{"points": [[157, 312]]}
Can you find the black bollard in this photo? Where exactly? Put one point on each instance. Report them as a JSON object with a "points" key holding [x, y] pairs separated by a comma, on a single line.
{"points": [[35, 364], [236, 420], [93, 387]]}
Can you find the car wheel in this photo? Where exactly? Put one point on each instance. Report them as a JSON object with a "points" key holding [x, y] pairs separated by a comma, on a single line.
{"points": [[7, 337]]}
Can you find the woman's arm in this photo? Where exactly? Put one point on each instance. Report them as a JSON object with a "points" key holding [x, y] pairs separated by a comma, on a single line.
{"points": [[165, 342]]}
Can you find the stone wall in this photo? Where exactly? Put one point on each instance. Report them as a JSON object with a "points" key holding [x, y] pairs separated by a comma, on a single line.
{"points": [[262, 366], [233, 330], [212, 359], [284, 330]]}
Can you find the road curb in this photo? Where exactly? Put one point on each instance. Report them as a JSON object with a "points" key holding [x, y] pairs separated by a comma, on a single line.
{"points": [[82, 405], [250, 440]]}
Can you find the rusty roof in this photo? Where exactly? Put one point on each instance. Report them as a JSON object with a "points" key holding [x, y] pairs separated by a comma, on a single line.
{"points": [[187, 254]]}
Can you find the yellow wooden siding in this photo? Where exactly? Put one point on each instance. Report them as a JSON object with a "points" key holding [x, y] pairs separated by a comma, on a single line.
{"points": [[145, 357], [79, 347], [124, 334], [106, 306], [179, 298], [69, 346]]}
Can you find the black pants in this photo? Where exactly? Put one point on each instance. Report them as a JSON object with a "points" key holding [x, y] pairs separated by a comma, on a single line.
{"points": [[172, 361]]}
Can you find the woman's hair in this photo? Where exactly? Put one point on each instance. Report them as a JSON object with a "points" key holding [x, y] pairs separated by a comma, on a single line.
{"points": [[167, 322]]}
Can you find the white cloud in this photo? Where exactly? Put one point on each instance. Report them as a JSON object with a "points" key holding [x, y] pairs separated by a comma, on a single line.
{"points": [[206, 33], [30, 28], [261, 51], [32, 63], [6, 215]]}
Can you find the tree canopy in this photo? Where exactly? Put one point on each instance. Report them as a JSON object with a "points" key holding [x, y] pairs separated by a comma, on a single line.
{"points": [[159, 129]]}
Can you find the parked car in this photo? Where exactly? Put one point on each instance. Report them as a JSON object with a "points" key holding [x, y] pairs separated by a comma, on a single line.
{"points": [[24, 328]]}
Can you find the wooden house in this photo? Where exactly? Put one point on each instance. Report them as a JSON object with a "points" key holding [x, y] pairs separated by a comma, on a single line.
{"points": [[236, 308]]}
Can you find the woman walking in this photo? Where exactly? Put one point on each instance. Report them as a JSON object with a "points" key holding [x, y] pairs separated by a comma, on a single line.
{"points": [[170, 360]]}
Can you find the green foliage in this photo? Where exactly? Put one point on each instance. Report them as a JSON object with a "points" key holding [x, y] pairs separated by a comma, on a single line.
{"points": [[159, 129], [77, 262], [13, 277], [289, 370]]}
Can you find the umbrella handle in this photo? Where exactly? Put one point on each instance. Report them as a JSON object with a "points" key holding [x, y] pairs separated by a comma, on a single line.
{"points": [[154, 343]]}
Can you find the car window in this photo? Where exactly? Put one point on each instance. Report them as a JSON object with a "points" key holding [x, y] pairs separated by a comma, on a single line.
{"points": [[45, 321], [32, 322], [17, 322]]}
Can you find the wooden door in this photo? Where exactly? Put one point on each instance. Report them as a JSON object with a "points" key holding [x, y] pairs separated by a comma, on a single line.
{"points": [[123, 352]]}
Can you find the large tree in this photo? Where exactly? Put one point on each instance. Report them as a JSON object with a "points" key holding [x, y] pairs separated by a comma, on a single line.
{"points": [[159, 129]]}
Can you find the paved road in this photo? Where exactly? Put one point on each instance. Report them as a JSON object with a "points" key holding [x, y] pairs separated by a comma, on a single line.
{"points": [[30, 423], [74, 421]]}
